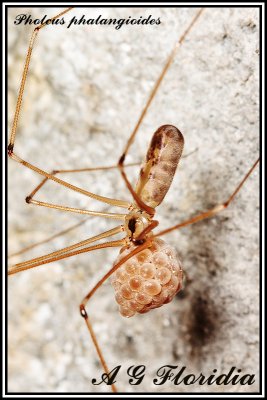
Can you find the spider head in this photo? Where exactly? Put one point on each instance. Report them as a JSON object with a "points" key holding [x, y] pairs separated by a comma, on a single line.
{"points": [[135, 223]]}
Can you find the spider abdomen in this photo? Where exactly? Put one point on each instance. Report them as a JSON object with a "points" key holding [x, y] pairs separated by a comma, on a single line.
{"points": [[147, 280], [159, 167]]}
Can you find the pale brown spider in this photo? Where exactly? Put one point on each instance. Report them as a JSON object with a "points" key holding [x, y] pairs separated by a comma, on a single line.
{"points": [[54, 177]]}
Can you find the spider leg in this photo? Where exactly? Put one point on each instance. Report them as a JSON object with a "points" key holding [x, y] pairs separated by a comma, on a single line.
{"points": [[69, 251], [24, 77], [30, 199], [146, 107], [85, 300], [13, 133], [49, 239], [114, 202], [213, 211]]}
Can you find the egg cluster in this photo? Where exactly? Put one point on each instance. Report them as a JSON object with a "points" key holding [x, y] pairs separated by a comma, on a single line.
{"points": [[147, 280]]}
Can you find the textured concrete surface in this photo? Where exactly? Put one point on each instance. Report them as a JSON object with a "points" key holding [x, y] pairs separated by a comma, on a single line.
{"points": [[86, 88]]}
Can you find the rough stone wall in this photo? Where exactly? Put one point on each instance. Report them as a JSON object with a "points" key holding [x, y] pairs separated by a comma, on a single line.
{"points": [[86, 88]]}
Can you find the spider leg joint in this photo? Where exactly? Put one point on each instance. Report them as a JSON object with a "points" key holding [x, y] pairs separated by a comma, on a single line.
{"points": [[83, 311], [121, 160], [10, 149], [28, 199]]}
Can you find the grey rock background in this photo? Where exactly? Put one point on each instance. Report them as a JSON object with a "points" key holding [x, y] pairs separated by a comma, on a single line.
{"points": [[86, 88]]}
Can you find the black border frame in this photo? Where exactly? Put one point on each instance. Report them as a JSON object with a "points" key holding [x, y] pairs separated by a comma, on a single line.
{"points": [[260, 6]]}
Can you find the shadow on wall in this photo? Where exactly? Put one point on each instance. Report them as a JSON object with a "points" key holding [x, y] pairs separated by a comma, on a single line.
{"points": [[200, 315]]}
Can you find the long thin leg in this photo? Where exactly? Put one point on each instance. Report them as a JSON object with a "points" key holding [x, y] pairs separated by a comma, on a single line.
{"points": [[114, 202], [77, 210], [157, 84], [11, 153], [66, 252], [140, 203], [137, 199], [102, 235], [24, 77], [103, 168], [60, 171], [85, 300], [213, 211], [47, 240], [29, 198], [147, 105]]}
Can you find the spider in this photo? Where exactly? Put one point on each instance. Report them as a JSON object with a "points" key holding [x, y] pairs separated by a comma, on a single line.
{"points": [[143, 139]]}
